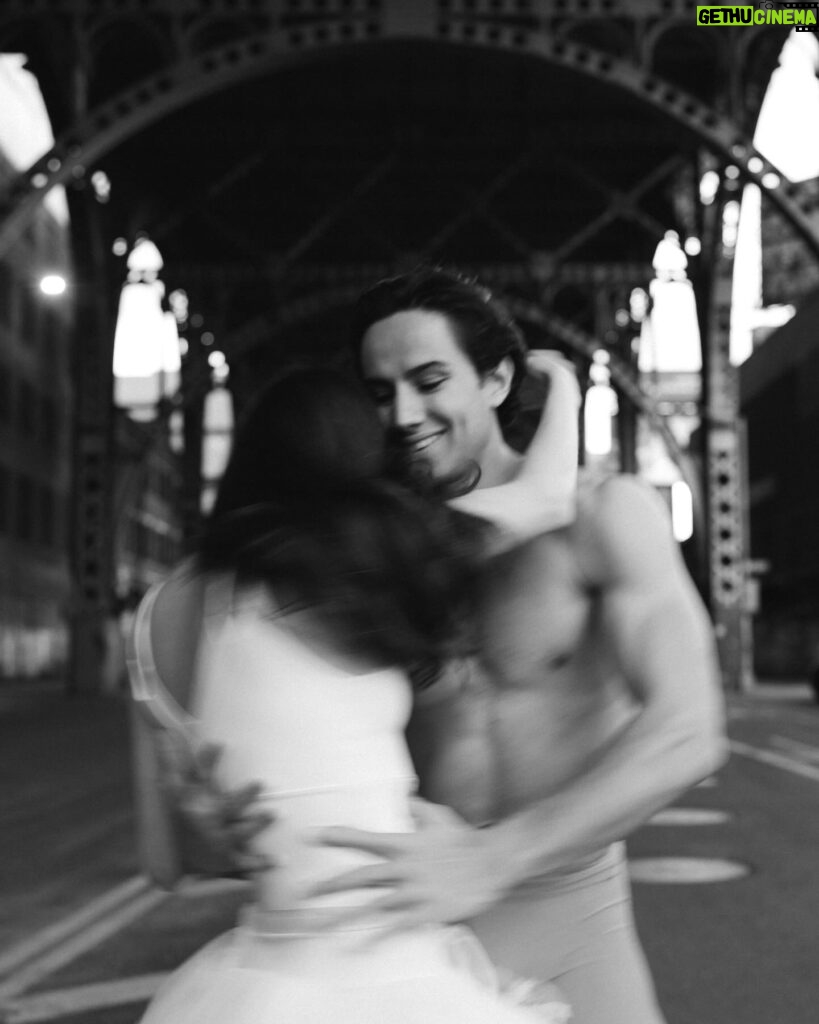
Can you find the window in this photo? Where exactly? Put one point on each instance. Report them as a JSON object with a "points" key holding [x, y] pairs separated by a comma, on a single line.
{"points": [[26, 410], [50, 334], [5, 295], [47, 519], [48, 422], [24, 508], [28, 317], [5, 482], [6, 390]]}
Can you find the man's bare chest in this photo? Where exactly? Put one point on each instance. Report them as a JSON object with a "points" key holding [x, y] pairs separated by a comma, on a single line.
{"points": [[536, 617]]}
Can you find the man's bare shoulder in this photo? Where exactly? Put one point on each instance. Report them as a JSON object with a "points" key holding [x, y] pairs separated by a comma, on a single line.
{"points": [[622, 526], [599, 495]]}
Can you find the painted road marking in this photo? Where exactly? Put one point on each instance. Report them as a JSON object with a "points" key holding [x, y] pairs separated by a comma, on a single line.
{"points": [[52, 948], [803, 751], [108, 904], [197, 888], [689, 816], [97, 931], [771, 757], [685, 870], [96, 908], [62, 1002]]}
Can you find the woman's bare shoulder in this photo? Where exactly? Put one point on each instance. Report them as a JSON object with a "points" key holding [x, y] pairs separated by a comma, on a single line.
{"points": [[175, 628]]}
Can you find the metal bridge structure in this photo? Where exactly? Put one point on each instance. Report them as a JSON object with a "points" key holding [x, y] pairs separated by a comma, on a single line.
{"points": [[285, 153]]}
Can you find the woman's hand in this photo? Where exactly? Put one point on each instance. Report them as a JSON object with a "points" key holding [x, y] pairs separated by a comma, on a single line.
{"points": [[551, 365], [216, 825]]}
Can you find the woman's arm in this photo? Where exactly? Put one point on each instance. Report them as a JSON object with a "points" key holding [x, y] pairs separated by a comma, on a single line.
{"points": [[187, 821], [543, 494]]}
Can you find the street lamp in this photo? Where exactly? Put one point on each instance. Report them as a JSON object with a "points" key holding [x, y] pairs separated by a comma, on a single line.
{"points": [[146, 342], [53, 284]]}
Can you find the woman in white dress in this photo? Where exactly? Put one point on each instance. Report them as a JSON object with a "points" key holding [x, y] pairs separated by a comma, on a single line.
{"points": [[320, 588]]}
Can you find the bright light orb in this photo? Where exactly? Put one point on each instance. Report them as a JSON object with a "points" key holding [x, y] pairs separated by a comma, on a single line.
{"points": [[53, 284], [682, 511], [622, 317], [101, 184], [709, 186]]}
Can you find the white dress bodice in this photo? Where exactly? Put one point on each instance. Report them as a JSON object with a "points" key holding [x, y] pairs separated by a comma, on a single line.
{"points": [[327, 745]]}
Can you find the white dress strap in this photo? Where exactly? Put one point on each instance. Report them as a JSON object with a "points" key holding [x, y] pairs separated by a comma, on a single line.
{"points": [[147, 687], [218, 602]]}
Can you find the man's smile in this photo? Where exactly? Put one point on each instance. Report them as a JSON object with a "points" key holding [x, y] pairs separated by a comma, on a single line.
{"points": [[420, 442]]}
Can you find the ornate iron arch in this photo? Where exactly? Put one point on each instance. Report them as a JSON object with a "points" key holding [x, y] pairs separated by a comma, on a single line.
{"points": [[260, 330], [196, 76]]}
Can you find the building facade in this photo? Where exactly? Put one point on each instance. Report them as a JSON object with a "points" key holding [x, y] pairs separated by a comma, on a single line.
{"points": [[780, 400], [37, 424], [36, 413]]}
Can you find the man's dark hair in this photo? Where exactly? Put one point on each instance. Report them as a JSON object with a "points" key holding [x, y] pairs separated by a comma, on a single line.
{"points": [[482, 325], [307, 507]]}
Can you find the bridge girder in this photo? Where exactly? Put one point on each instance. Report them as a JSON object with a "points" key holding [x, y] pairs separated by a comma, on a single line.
{"points": [[199, 48], [311, 33]]}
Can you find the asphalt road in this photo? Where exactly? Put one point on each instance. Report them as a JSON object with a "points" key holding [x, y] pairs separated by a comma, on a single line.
{"points": [[726, 882], [744, 950]]}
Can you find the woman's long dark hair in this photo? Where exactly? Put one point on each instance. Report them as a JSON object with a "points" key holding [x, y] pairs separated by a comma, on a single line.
{"points": [[307, 507]]}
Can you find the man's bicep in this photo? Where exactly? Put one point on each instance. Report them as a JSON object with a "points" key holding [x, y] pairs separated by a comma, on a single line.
{"points": [[663, 640], [654, 618]]}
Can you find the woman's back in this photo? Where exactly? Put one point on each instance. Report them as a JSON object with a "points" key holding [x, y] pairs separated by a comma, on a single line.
{"points": [[326, 744], [306, 511]]}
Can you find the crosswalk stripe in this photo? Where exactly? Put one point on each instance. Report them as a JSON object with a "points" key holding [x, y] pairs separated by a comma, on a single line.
{"points": [[771, 757], [688, 816], [51, 948], [54, 958], [50, 936], [802, 751], [61, 1002]]}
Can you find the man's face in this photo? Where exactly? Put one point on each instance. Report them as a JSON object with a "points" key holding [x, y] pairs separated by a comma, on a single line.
{"points": [[437, 408]]}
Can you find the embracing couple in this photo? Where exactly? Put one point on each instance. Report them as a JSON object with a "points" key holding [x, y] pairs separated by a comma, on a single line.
{"points": [[388, 597]]}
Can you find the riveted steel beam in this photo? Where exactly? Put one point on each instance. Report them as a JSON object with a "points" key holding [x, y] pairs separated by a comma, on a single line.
{"points": [[297, 311], [726, 480], [500, 274], [321, 33], [620, 204]]}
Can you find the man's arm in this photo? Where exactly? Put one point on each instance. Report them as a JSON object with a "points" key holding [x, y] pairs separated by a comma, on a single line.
{"points": [[661, 636]]}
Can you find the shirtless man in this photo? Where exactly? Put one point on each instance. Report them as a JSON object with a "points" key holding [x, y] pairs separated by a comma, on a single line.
{"points": [[596, 701]]}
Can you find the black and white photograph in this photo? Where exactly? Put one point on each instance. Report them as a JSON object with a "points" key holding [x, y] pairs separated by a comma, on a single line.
{"points": [[409, 512]]}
